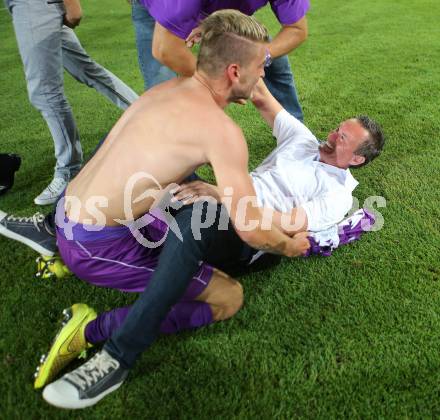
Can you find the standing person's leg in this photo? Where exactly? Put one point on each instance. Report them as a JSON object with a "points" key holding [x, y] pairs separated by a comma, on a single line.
{"points": [[38, 27], [152, 71], [279, 80], [79, 64]]}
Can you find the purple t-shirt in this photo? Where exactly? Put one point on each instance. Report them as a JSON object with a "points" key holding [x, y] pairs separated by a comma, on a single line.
{"points": [[181, 16]]}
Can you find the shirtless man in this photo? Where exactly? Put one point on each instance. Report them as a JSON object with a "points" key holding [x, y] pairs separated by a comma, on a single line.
{"points": [[155, 136]]}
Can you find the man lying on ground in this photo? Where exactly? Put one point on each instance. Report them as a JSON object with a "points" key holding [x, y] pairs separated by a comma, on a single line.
{"points": [[300, 179]]}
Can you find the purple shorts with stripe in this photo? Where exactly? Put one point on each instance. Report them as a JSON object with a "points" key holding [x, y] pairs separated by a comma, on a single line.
{"points": [[112, 257]]}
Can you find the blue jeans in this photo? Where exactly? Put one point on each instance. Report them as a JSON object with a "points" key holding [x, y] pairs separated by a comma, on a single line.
{"points": [[152, 71]]}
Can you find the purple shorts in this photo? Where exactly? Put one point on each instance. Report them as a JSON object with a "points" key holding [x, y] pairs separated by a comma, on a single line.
{"points": [[112, 257]]}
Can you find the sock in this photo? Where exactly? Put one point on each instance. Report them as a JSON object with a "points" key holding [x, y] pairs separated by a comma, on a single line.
{"points": [[183, 316]]}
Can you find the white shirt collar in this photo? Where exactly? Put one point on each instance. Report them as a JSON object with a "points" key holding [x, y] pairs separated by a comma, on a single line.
{"points": [[344, 175]]}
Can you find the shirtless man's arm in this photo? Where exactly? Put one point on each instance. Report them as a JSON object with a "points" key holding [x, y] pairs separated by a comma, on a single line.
{"points": [[291, 223], [229, 158]]}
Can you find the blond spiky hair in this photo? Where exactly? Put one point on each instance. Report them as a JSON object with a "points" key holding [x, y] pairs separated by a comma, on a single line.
{"points": [[228, 36]]}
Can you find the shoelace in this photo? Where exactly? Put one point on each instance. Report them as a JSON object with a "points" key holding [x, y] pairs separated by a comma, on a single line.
{"points": [[93, 370], [56, 185], [36, 219]]}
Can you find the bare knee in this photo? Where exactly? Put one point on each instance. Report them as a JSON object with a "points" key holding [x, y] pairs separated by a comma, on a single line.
{"points": [[231, 302]]}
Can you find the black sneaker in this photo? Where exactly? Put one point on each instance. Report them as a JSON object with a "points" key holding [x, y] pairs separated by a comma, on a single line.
{"points": [[30, 231], [88, 384]]}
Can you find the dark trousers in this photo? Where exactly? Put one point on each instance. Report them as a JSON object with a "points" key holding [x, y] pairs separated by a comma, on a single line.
{"points": [[178, 262]]}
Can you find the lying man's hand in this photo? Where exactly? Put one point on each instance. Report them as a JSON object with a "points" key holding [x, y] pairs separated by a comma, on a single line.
{"points": [[259, 93], [196, 191]]}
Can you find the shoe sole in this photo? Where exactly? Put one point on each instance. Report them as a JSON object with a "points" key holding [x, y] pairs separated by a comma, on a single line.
{"points": [[31, 244], [46, 202], [55, 399], [74, 316]]}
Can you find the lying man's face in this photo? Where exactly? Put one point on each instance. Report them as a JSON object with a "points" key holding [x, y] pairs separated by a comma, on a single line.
{"points": [[342, 143]]}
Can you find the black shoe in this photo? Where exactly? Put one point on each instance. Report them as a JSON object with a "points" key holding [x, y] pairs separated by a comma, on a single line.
{"points": [[31, 231], [9, 164], [88, 384]]}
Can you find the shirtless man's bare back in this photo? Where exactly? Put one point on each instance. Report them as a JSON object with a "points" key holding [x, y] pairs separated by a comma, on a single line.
{"points": [[155, 136]]}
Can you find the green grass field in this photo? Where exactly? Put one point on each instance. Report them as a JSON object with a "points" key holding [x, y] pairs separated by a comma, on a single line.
{"points": [[353, 335]]}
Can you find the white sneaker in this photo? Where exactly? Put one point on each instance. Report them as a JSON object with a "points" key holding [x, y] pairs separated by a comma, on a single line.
{"points": [[52, 192], [87, 384]]}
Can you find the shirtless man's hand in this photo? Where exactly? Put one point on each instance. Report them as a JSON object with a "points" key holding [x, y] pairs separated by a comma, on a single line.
{"points": [[194, 191]]}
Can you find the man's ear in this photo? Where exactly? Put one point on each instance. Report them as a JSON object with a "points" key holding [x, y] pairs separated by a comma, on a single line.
{"points": [[357, 160], [233, 72]]}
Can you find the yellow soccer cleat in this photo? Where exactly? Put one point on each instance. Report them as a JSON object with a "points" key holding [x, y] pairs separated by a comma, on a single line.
{"points": [[49, 267], [68, 344]]}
